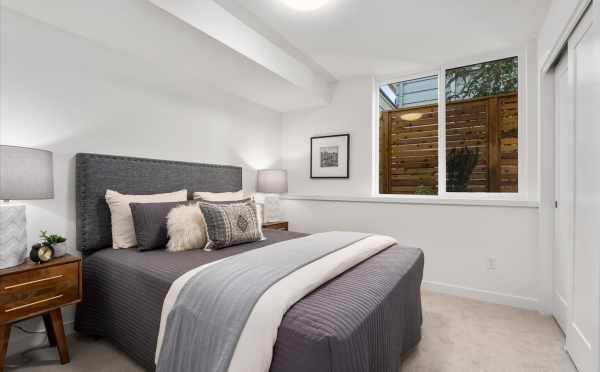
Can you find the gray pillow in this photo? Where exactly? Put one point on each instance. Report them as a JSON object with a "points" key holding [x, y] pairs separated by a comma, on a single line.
{"points": [[150, 224], [230, 223]]}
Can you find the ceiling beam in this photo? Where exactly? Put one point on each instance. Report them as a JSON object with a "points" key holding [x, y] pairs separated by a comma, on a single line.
{"points": [[212, 19]]}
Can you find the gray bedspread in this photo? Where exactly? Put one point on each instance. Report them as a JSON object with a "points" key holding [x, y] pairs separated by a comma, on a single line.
{"points": [[364, 320], [214, 305]]}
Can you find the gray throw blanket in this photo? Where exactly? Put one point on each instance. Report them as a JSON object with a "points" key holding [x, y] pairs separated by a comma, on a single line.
{"points": [[211, 310]]}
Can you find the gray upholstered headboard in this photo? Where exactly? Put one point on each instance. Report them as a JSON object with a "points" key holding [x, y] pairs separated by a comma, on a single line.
{"points": [[97, 173]]}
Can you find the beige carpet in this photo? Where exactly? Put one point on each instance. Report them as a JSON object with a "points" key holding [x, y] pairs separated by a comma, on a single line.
{"points": [[459, 335]]}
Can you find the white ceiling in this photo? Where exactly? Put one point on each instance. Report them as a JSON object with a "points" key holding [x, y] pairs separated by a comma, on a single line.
{"points": [[265, 52], [185, 45], [381, 37]]}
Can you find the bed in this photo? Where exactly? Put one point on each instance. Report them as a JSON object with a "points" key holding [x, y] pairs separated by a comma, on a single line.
{"points": [[366, 319]]}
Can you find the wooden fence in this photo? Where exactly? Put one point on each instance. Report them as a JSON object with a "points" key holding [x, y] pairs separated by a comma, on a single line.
{"points": [[408, 149]]}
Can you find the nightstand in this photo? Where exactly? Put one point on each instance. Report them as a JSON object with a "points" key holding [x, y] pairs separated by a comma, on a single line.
{"points": [[277, 225], [31, 289]]}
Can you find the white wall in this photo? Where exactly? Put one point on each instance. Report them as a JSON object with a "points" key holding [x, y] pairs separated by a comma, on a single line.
{"points": [[65, 94], [458, 240], [349, 112]]}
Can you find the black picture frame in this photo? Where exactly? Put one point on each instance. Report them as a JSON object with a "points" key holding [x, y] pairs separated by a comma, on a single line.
{"points": [[347, 175]]}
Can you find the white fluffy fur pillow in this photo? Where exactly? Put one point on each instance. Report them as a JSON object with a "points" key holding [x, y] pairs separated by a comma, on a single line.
{"points": [[186, 228]]}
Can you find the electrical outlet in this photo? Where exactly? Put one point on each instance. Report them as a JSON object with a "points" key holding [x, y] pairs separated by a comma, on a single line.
{"points": [[491, 263]]}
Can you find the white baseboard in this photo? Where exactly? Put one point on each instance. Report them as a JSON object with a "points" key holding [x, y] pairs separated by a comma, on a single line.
{"points": [[21, 341], [483, 295]]}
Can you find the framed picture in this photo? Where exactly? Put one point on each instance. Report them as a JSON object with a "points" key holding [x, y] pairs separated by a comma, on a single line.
{"points": [[330, 156]]}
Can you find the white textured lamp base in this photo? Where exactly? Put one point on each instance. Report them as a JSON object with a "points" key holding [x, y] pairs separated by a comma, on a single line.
{"points": [[13, 235], [272, 208]]}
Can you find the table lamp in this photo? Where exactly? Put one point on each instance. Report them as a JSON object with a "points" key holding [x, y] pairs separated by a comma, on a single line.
{"points": [[25, 174], [272, 182]]}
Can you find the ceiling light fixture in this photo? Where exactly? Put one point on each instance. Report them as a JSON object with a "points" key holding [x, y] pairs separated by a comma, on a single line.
{"points": [[305, 5], [411, 116]]}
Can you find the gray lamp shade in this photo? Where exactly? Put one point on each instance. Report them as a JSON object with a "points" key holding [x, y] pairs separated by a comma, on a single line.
{"points": [[25, 173], [272, 181]]}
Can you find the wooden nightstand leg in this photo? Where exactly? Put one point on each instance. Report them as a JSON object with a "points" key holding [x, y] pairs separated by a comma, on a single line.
{"points": [[59, 335], [49, 330], [4, 336]]}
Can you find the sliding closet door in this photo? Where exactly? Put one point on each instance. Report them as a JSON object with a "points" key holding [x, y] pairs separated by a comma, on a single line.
{"points": [[584, 77], [564, 186]]}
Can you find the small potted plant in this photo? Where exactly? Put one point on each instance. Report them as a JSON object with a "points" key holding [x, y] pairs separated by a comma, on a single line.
{"points": [[57, 242]]}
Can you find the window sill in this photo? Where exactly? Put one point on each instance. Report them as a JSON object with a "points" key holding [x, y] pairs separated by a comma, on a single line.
{"points": [[422, 200]]}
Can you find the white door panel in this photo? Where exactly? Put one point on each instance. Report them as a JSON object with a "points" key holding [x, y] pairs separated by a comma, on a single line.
{"points": [[584, 77]]}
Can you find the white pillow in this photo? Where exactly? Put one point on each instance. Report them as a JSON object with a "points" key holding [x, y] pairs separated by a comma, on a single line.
{"points": [[260, 218], [260, 213], [186, 228], [220, 196], [123, 232]]}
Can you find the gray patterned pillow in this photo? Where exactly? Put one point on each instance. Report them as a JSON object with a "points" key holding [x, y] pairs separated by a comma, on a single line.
{"points": [[231, 223]]}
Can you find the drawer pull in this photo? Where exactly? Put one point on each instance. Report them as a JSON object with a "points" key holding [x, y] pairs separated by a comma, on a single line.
{"points": [[33, 282], [31, 304]]}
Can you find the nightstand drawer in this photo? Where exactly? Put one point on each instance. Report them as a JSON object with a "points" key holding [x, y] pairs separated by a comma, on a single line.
{"points": [[28, 293], [278, 225]]}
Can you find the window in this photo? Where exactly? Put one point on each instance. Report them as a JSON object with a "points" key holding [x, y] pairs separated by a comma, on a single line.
{"points": [[409, 93], [482, 127], [479, 142], [408, 136]]}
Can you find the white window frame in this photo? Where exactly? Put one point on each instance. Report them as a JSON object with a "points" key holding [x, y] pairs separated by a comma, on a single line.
{"points": [[523, 176]]}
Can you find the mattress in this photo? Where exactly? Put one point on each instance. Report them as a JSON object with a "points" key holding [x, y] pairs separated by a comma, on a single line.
{"points": [[364, 320]]}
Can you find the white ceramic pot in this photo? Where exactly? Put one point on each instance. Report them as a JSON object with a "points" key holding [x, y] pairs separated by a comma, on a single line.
{"points": [[60, 249]]}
